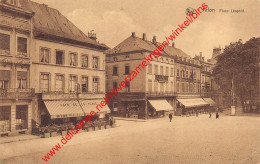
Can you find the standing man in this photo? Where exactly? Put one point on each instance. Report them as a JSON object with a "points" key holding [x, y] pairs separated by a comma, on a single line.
{"points": [[170, 117]]}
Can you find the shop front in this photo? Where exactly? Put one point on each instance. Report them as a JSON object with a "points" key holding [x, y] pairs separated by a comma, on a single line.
{"points": [[158, 108], [212, 104], [191, 106]]}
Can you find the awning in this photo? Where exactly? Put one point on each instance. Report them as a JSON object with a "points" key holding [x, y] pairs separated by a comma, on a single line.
{"points": [[195, 102], [210, 101], [90, 105], [160, 105], [64, 109]]}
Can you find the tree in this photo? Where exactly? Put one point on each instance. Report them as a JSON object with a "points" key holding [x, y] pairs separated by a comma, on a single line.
{"points": [[241, 61]]}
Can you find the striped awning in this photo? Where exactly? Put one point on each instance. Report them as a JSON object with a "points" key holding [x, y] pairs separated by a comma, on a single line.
{"points": [[160, 105], [210, 101], [64, 109], [195, 102], [90, 105]]}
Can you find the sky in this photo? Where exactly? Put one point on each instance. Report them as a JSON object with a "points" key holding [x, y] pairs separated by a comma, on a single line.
{"points": [[114, 20]]}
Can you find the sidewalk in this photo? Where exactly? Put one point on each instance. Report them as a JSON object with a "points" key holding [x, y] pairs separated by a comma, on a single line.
{"points": [[17, 138]]}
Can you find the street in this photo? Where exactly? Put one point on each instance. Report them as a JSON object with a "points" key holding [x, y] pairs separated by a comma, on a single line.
{"points": [[184, 140]]}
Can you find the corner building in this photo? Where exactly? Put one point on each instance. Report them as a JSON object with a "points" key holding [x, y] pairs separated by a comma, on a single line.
{"points": [[50, 71], [153, 91]]}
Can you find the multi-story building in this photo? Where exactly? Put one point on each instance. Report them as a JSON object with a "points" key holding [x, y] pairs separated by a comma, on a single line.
{"points": [[43, 50], [156, 90], [16, 93]]}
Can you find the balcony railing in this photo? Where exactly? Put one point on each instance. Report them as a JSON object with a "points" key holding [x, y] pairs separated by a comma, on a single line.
{"points": [[161, 78], [15, 93]]}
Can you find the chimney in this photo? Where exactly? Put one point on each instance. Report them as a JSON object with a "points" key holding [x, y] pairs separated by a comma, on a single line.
{"points": [[144, 36], [133, 34], [173, 44], [200, 56], [154, 39]]}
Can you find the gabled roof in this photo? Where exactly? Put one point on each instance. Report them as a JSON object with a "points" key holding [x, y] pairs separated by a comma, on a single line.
{"points": [[134, 43], [50, 22]]}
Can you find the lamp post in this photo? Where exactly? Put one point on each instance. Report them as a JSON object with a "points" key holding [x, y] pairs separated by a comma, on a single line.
{"points": [[233, 107]]}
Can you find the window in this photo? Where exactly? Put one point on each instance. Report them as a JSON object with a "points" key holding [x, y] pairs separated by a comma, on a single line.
{"points": [[187, 74], [59, 57], [72, 83], [22, 45], [161, 70], [5, 118], [150, 85], [127, 87], [127, 70], [161, 59], [21, 79], [114, 70], [73, 59], [178, 87], [198, 88], [114, 84], [150, 68], [182, 87], [115, 106], [59, 79], [167, 71], [191, 88], [95, 62], [95, 84], [45, 55], [187, 87], [171, 72], [127, 57], [155, 86], [178, 73], [115, 59], [167, 60], [45, 80], [191, 75], [172, 87], [84, 84], [84, 61], [156, 69], [21, 117], [182, 74], [4, 78], [194, 75], [4, 42]]}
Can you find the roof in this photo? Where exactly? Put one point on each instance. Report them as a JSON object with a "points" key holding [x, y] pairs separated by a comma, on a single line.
{"points": [[134, 43], [49, 21]]}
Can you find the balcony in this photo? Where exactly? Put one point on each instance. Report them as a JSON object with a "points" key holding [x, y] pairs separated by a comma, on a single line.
{"points": [[160, 94], [161, 78], [14, 93]]}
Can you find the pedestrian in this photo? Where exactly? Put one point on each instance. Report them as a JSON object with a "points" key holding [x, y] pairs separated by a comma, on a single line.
{"points": [[170, 117], [217, 115], [209, 114]]}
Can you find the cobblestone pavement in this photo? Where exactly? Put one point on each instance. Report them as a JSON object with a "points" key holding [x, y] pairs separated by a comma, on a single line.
{"points": [[185, 140]]}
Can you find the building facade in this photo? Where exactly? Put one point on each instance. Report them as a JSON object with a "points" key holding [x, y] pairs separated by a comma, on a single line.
{"points": [[17, 95], [157, 90], [43, 50]]}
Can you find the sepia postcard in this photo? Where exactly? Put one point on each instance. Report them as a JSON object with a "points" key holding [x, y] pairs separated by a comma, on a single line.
{"points": [[125, 82]]}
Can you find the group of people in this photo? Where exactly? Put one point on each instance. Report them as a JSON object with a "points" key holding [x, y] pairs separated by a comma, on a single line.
{"points": [[217, 115]]}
